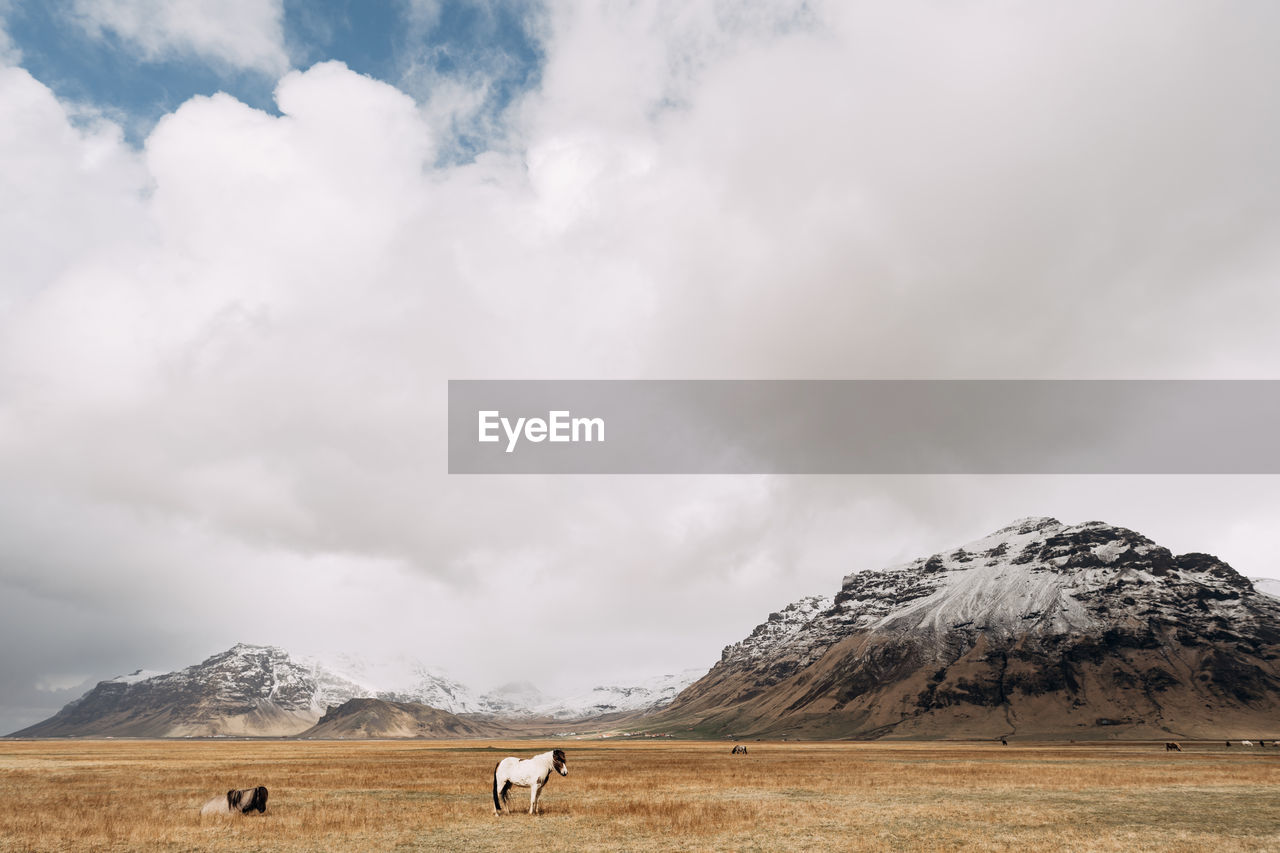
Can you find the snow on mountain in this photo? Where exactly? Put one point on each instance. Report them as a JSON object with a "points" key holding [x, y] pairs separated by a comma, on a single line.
{"points": [[1041, 625], [649, 695], [398, 678], [512, 700], [264, 690], [136, 676], [1036, 573], [246, 690]]}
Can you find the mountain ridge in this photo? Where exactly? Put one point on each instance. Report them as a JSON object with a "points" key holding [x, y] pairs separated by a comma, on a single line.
{"points": [[1041, 628], [264, 691], [1037, 629]]}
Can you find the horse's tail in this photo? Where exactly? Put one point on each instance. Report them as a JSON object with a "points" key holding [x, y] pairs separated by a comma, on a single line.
{"points": [[499, 794]]}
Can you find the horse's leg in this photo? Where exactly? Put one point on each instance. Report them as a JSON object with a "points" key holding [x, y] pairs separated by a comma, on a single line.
{"points": [[534, 790]]}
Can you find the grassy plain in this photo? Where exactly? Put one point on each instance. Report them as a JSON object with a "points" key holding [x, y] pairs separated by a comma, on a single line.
{"points": [[120, 795]]}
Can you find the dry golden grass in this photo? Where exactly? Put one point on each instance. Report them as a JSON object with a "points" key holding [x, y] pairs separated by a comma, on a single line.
{"points": [[412, 795]]}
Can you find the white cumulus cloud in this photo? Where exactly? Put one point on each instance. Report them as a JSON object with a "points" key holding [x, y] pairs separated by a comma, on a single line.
{"points": [[223, 357], [243, 34]]}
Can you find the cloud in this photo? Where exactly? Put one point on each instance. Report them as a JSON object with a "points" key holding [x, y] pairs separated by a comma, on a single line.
{"points": [[241, 34], [9, 53], [223, 356], [953, 192], [468, 64]]}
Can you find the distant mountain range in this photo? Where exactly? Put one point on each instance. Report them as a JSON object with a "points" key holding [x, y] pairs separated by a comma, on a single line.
{"points": [[1039, 630], [264, 691]]}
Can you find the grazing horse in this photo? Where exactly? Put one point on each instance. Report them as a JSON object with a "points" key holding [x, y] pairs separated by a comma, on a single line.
{"points": [[532, 773], [739, 749], [240, 801], [1246, 743], [1172, 747]]}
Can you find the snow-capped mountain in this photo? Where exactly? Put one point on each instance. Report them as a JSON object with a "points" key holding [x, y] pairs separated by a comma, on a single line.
{"points": [[1040, 628], [516, 699], [649, 695], [396, 679], [246, 690], [264, 691]]}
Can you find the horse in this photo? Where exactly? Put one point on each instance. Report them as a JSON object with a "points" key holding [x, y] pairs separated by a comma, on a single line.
{"points": [[1246, 743], [1172, 747], [739, 749], [1004, 742], [532, 773], [235, 801]]}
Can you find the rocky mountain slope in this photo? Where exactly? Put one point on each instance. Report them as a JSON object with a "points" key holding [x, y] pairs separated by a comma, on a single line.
{"points": [[246, 690], [1040, 629], [379, 718]]}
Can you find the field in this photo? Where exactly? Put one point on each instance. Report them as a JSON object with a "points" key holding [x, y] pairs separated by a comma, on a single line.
{"points": [[627, 795]]}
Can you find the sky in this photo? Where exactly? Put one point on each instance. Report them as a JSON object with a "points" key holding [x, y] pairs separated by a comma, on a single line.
{"points": [[245, 245]]}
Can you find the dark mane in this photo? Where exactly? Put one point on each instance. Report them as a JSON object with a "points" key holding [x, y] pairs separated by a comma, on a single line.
{"points": [[247, 800]]}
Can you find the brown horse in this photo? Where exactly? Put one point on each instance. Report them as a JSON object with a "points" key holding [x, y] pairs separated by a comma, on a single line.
{"points": [[1172, 747], [240, 801]]}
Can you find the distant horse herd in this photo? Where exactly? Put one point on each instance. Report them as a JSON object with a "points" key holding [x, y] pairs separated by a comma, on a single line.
{"points": [[532, 773], [1173, 747]]}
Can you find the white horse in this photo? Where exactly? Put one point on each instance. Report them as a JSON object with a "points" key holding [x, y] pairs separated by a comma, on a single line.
{"points": [[1246, 743], [532, 773]]}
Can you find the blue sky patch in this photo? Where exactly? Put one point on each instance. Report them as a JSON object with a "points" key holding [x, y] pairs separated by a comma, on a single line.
{"points": [[494, 45]]}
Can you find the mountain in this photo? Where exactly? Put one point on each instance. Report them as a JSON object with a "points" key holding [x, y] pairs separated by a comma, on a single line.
{"points": [[1038, 630], [398, 678], [379, 718], [259, 691], [517, 699], [264, 691], [246, 690], [645, 697]]}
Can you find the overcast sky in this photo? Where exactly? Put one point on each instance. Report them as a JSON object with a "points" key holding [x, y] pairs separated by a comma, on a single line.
{"points": [[244, 245]]}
